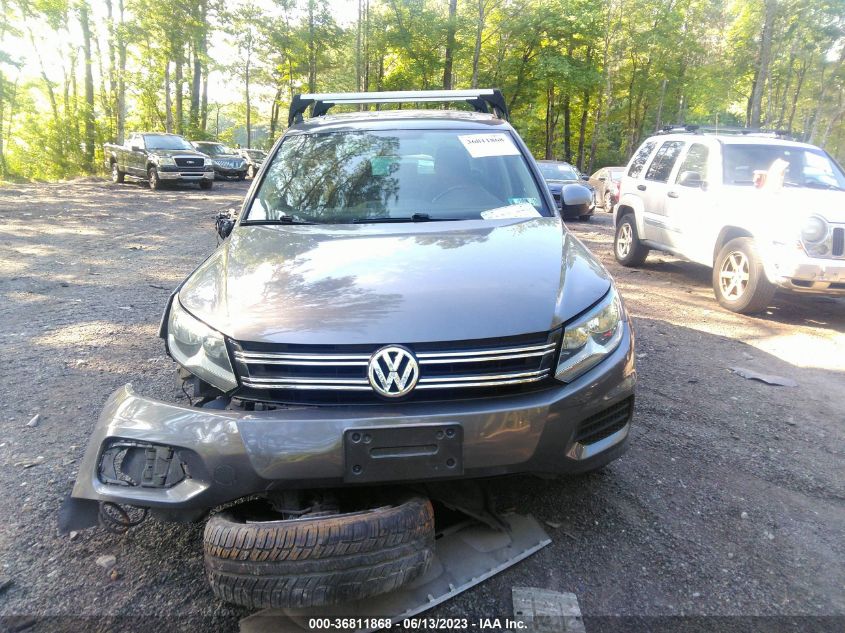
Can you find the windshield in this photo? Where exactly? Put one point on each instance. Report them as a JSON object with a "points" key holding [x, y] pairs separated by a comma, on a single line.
{"points": [[396, 175], [558, 171], [214, 149], [165, 141], [807, 167]]}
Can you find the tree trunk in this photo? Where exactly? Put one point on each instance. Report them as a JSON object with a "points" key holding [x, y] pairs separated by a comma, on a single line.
{"points": [[312, 50], [550, 131], [763, 61], [450, 45], [582, 130], [90, 132], [659, 122], [479, 31], [204, 100], [168, 106], [178, 85], [248, 109], [121, 77]]}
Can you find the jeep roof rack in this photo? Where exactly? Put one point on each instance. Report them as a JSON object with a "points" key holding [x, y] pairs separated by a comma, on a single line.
{"points": [[478, 98], [715, 129]]}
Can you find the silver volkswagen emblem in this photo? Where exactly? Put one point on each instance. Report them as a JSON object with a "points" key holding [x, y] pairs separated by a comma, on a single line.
{"points": [[393, 371]]}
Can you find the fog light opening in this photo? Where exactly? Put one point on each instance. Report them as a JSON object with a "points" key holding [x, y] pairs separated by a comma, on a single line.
{"points": [[139, 464]]}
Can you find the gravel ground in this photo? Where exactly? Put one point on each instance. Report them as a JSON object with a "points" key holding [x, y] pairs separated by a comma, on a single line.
{"points": [[729, 502]]}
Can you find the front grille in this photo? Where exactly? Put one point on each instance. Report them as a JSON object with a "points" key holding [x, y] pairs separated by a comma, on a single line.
{"points": [[189, 161], [337, 374], [606, 423], [838, 246], [229, 163]]}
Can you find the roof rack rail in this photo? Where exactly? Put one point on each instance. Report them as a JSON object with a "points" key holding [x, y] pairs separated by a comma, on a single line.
{"points": [[478, 98], [715, 129]]}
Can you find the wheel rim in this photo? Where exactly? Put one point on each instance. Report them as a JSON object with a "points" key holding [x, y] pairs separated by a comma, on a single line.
{"points": [[734, 275], [624, 240]]}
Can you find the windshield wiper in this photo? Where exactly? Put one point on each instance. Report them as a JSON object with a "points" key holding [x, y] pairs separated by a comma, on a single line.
{"points": [[416, 217], [815, 184], [282, 219]]}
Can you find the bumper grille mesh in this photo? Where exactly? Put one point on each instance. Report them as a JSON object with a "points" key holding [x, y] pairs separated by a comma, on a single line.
{"points": [[607, 422]]}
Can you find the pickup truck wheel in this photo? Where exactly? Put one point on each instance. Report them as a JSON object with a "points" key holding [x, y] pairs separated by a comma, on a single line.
{"points": [[627, 248], [739, 279], [117, 176], [310, 562], [152, 177]]}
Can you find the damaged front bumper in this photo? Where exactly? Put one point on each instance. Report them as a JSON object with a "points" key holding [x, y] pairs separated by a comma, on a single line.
{"points": [[182, 461]]}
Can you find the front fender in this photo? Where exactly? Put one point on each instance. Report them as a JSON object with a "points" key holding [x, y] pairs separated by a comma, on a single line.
{"points": [[629, 202]]}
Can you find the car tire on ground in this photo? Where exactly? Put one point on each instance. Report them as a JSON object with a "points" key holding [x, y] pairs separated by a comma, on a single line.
{"points": [[739, 279], [627, 248], [206, 184], [154, 180], [310, 562], [117, 176]]}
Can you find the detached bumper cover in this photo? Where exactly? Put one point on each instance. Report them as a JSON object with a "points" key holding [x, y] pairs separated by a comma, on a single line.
{"points": [[230, 454]]}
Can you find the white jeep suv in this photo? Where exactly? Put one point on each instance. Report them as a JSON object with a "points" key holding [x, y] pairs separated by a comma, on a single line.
{"points": [[764, 213]]}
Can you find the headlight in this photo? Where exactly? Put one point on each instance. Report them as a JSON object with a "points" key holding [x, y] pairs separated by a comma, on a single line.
{"points": [[199, 349], [590, 338], [208, 162], [166, 160], [814, 229]]}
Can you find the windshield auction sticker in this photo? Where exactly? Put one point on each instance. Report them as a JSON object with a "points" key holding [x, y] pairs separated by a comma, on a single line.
{"points": [[521, 210], [483, 145]]}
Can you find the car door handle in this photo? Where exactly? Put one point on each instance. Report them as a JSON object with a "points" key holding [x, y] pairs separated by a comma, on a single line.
{"points": [[673, 194], [641, 187]]}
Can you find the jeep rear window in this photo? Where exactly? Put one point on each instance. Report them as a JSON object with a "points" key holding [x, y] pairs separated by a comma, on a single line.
{"points": [[807, 167], [360, 176]]}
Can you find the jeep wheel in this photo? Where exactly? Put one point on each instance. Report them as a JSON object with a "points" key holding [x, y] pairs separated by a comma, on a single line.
{"points": [[310, 562], [627, 248], [739, 280], [117, 176], [155, 181]]}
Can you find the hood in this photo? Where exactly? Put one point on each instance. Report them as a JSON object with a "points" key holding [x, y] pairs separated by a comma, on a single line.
{"points": [[177, 152], [556, 185], [399, 283], [790, 206]]}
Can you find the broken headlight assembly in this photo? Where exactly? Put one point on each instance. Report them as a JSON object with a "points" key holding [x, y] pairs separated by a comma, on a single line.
{"points": [[199, 349], [590, 338], [815, 236]]}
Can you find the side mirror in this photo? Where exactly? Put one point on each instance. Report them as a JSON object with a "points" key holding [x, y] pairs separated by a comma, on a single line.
{"points": [[602, 178], [690, 179], [575, 195], [225, 222]]}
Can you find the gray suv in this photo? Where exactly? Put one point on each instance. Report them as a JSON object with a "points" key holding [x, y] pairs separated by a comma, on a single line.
{"points": [[398, 301]]}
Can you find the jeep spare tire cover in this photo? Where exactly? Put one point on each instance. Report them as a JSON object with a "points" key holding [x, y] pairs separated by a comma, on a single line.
{"points": [[310, 562]]}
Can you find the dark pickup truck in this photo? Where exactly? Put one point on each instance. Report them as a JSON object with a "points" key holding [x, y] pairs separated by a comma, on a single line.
{"points": [[158, 158]]}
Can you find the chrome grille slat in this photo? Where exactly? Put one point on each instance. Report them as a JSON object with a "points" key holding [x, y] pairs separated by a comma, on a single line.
{"points": [[468, 365]]}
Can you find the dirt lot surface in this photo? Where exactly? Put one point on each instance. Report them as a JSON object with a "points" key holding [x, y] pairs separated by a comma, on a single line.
{"points": [[730, 502]]}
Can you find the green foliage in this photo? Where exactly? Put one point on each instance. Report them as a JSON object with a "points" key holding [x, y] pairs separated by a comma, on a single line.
{"points": [[584, 80]]}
